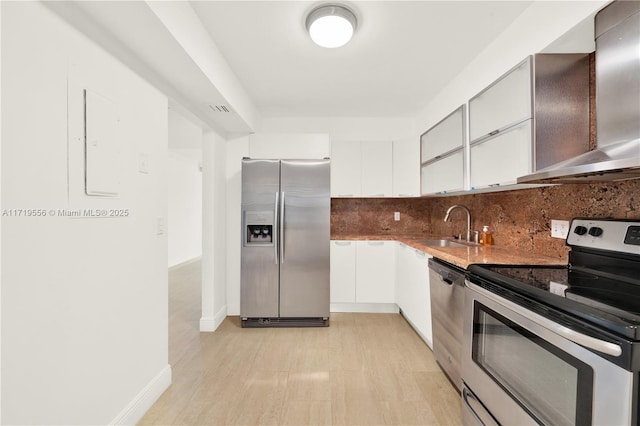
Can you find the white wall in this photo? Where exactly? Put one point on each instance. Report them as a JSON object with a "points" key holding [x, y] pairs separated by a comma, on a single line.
{"points": [[184, 133], [343, 128], [84, 300], [1, 204], [236, 149], [214, 232], [184, 220]]}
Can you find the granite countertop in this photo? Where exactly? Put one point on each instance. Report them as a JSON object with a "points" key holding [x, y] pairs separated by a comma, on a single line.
{"points": [[461, 256]]}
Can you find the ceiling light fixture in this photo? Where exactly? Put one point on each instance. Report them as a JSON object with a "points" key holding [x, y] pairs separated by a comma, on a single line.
{"points": [[331, 25]]}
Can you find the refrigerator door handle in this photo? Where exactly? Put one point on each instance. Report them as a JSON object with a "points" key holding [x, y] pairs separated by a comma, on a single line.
{"points": [[275, 231], [281, 229]]}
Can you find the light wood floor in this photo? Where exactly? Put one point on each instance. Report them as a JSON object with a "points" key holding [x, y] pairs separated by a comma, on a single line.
{"points": [[364, 369]]}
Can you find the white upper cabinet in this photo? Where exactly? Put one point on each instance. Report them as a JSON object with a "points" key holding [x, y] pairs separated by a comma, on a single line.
{"points": [[442, 155], [445, 136], [377, 169], [346, 169], [406, 166], [504, 103], [534, 116], [443, 175], [501, 159], [362, 169], [501, 146]]}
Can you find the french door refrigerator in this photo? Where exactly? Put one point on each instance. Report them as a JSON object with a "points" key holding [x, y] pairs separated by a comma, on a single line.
{"points": [[285, 243]]}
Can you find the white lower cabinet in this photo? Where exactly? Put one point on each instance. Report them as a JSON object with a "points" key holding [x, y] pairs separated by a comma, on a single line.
{"points": [[413, 292], [375, 272], [404, 264], [343, 272], [380, 276], [363, 276]]}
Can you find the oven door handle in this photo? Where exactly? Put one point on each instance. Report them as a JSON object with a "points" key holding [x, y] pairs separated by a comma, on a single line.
{"points": [[562, 331]]}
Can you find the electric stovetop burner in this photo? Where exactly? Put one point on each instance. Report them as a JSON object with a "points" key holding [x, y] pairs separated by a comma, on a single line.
{"points": [[600, 285]]}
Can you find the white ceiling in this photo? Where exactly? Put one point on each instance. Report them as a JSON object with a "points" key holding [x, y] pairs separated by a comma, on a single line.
{"points": [[256, 57], [402, 54]]}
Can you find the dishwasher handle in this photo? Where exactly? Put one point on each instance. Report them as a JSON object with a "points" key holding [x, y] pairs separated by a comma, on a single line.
{"points": [[447, 275], [446, 280]]}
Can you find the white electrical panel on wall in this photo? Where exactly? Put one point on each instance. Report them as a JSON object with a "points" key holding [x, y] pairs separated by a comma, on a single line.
{"points": [[101, 146]]}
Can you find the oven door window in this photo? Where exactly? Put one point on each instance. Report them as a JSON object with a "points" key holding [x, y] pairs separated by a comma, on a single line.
{"points": [[553, 386]]}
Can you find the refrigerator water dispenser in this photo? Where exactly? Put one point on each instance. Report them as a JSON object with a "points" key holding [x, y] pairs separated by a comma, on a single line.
{"points": [[258, 228]]}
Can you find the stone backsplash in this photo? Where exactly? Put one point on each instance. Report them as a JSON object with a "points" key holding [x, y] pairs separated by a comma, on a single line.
{"points": [[520, 219]]}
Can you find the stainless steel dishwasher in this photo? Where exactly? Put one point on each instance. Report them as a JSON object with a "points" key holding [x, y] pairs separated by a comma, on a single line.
{"points": [[447, 302]]}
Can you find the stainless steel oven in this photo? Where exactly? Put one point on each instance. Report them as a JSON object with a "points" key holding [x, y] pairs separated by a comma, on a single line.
{"points": [[557, 345]]}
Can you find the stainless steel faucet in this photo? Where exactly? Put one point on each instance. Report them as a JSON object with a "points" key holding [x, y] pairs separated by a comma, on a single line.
{"points": [[446, 218]]}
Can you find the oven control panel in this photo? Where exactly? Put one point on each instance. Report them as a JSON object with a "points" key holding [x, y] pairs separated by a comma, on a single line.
{"points": [[633, 236], [614, 235]]}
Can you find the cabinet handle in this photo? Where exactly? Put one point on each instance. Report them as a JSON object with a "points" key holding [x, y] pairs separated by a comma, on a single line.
{"points": [[495, 132], [342, 243], [376, 195], [494, 184], [375, 243], [344, 195], [420, 253], [405, 195]]}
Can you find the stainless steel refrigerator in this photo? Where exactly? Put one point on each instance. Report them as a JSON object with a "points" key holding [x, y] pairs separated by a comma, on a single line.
{"points": [[285, 243]]}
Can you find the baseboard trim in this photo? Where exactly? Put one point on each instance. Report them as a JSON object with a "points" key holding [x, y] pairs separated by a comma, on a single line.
{"points": [[208, 324], [374, 308], [139, 405]]}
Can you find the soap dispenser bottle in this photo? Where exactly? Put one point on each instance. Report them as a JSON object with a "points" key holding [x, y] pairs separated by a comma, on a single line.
{"points": [[486, 238]]}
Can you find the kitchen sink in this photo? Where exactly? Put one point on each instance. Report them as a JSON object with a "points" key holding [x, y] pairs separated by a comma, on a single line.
{"points": [[444, 243]]}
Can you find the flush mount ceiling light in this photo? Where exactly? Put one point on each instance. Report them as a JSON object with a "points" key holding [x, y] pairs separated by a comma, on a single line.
{"points": [[331, 25]]}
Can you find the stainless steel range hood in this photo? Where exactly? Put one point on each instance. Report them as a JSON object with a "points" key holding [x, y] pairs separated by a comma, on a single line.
{"points": [[617, 156]]}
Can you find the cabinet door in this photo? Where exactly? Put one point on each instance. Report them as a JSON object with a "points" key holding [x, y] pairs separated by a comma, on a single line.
{"points": [[346, 169], [443, 175], [343, 272], [403, 276], [505, 102], [445, 136], [421, 296], [377, 164], [406, 168], [375, 272], [501, 159]]}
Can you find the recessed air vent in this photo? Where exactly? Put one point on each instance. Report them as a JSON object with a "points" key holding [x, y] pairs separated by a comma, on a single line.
{"points": [[221, 109]]}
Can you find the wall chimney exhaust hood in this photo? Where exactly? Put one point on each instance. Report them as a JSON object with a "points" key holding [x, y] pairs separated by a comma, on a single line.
{"points": [[617, 156]]}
